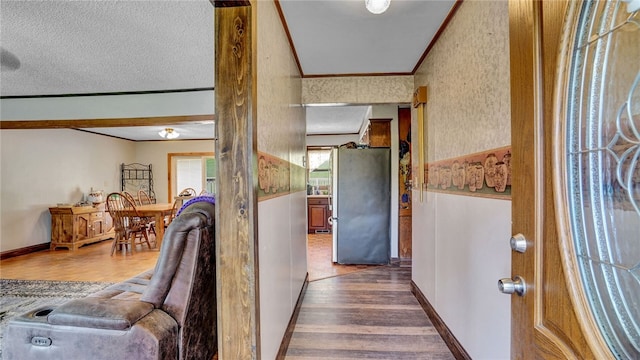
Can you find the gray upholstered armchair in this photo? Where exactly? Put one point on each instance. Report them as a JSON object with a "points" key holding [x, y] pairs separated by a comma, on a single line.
{"points": [[168, 312]]}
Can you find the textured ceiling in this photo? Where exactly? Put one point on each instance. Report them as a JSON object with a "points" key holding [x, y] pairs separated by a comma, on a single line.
{"points": [[73, 47], [93, 46]]}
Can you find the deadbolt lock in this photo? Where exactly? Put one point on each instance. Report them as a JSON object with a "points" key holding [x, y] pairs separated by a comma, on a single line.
{"points": [[518, 243]]}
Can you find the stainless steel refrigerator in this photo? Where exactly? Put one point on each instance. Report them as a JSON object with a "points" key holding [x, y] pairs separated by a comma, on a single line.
{"points": [[361, 199]]}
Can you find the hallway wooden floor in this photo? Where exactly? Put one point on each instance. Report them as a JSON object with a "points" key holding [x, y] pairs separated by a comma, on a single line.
{"points": [[369, 314]]}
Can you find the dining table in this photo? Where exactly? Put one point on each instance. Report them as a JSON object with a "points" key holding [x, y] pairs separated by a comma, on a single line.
{"points": [[158, 212]]}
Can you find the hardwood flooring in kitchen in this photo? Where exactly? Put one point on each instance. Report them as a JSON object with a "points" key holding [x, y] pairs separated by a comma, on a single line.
{"points": [[319, 259]]}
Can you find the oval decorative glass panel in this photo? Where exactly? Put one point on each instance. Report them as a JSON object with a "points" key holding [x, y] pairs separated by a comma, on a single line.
{"points": [[601, 145]]}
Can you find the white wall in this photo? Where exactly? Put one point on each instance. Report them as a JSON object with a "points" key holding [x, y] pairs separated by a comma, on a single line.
{"points": [[460, 250], [283, 265], [41, 168]]}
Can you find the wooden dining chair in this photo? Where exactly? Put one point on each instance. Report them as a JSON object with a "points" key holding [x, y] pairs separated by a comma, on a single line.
{"points": [[130, 197], [188, 192], [127, 223], [144, 198], [174, 210]]}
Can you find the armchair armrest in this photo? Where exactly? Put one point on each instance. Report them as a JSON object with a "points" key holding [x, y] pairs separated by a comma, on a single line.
{"points": [[91, 312]]}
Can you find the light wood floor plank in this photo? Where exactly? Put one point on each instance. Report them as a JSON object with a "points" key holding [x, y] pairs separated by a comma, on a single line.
{"points": [[88, 263]]}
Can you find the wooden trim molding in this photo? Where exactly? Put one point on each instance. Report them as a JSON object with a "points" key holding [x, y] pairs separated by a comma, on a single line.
{"points": [[454, 345], [286, 339], [286, 31], [107, 93], [170, 175], [102, 123], [435, 38], [24, 251], [230, 3], [311, 76]]}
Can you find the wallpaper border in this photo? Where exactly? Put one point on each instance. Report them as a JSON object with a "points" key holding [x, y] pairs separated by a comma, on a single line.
{"points": [[491, 172], [278, 177]]}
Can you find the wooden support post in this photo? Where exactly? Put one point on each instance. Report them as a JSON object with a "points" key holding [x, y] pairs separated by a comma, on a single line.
{"points": [[236, 202]]}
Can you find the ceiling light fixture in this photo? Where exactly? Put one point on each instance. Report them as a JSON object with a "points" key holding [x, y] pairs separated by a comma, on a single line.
{"points": [[169, 133], [377, 6]]}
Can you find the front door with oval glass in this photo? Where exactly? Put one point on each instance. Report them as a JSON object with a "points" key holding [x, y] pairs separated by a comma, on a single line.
{"points": [[576, 149]]}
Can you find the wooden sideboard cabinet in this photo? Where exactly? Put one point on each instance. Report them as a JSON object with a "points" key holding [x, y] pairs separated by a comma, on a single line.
{"points": [[318, 214], [74, 226]]}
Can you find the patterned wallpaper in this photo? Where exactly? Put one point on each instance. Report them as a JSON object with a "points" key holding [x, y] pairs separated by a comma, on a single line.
{"points": [[467, 76], [358, 90], [281, 120]]}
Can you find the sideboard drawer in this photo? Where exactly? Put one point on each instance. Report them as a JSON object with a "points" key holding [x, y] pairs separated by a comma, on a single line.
{"points": [[318, 201]]}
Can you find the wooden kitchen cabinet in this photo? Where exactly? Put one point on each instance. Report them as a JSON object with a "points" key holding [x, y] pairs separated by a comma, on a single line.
{"points": [[74, 226], [318, 214], [378, 133]]}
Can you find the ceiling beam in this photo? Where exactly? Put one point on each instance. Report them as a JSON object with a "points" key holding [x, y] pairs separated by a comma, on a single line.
{"points": [[103, 123]]}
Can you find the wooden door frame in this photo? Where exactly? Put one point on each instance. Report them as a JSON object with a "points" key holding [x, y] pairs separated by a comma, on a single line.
{"points": [[170, 157]]}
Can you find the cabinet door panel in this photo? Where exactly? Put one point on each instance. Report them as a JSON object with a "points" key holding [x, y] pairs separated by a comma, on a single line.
{"points": [[317, 217], [83, 230]]}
